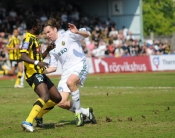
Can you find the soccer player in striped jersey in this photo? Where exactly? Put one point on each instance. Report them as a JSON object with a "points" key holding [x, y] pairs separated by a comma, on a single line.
{"points": [[32, 56], [14, 57]]}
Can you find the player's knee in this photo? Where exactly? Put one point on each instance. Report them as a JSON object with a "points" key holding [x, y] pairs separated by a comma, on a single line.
{"points": [[58, 99], [70, 83], [62, 104], [45, 97]]}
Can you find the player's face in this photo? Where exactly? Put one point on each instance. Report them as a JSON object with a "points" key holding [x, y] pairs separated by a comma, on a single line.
{"points": [[15, 33], [51, 33]]}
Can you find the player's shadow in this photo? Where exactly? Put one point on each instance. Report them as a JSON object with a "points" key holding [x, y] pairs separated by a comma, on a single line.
{"points": [[61, 123]]}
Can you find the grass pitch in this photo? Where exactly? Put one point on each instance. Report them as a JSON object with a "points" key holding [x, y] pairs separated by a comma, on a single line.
{"points": [[128, 105]]}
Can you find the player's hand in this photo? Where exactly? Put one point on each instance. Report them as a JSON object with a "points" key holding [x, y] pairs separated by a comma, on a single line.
{"points": [[43, 64], [73, 28], [50, 46]]}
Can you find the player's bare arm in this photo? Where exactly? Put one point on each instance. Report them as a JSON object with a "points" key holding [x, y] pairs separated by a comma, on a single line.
{"points": [[49, 48], [26, 58], [74, 29], [50, 70]]}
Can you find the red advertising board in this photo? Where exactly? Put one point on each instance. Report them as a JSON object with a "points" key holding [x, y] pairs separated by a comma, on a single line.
{"points": [[123, 64]]}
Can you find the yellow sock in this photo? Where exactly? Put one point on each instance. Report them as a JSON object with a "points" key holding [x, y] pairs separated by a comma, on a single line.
{"points": [[1, 72], [35, 110], [46, 108], [19, 75], [6, 72]]}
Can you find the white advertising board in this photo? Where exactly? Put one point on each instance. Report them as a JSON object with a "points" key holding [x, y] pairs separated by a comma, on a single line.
{"points": [[162, 62]]}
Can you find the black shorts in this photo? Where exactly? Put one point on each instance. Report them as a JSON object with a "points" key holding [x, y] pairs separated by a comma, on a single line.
{"points": [[14, 63], [37, 79]]}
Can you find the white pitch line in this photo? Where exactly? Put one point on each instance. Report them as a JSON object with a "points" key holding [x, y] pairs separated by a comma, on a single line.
{"points": [[131, 87], [110, 87]]}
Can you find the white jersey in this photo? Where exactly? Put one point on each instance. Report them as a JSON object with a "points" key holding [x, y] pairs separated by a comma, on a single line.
{"points": [[68, 50]]}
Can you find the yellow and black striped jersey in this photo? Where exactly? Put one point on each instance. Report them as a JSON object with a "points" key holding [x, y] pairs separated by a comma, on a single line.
{"points": [[13, 54], [32, 47]]}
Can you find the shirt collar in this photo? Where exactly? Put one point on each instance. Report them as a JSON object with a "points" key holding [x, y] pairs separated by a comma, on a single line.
{"points": [[29, 34]]}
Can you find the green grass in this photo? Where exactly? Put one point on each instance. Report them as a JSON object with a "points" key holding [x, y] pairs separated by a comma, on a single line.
{"points": [[140, 105]]}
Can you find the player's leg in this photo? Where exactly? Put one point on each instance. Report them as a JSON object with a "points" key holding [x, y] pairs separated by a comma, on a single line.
{"points": [[72, 85], [38, 83], [55, 98], [11, 70], [19, 75], [22, 79], [77, 78], [69, 105]]}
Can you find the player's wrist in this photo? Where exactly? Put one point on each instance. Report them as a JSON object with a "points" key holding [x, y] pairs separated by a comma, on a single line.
{"points": [[36, 62]]}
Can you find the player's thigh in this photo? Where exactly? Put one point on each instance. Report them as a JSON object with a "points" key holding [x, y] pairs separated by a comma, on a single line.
{"points": [[54, 94], [65, 96], [39, 83], [73, 79]]}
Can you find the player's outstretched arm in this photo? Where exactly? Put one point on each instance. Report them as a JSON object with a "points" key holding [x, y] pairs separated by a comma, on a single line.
{"points": [[74, 29], [50, 70]]}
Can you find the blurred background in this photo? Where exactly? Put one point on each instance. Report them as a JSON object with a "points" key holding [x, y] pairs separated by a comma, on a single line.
{"points": [[118, 28]]}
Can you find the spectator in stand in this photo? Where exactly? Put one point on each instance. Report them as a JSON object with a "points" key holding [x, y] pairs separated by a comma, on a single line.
{"points": [[146, 51], [137, 49], [119, 52], [99, 50], [91, 45], [125, 31], [150, 50], [121, 36], [1, 43], [3, 59], [155, 45], [102, 48], [117, 40], [160, 51], [130, 36], [131, 47], [113, 32], [167, 49], [110, 49]]}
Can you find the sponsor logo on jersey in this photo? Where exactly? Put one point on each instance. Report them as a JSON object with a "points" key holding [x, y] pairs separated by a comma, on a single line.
{"points": [[62, 51], [25, 45], [63, 43]]}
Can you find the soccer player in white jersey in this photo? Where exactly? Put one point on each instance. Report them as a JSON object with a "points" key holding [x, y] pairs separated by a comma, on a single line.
{"points": [[68, 51]]}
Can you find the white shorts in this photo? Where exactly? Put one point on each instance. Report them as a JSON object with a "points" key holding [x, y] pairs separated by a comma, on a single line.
{"points": [[81, 70]]}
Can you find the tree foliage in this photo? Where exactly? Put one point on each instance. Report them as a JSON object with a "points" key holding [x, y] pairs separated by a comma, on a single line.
{"points": [[159, 17]]}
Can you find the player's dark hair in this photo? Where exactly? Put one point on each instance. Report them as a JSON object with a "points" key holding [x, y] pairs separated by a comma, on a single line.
{"points": [[52, 23], [31, 22]]}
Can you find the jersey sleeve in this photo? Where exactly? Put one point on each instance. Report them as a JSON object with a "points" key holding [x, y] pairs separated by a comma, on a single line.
{"points": [[77, 36], [53, 61], [24, 46]]}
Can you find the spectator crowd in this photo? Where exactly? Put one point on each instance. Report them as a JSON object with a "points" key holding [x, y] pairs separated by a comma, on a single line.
{"points": [[106, 40]]}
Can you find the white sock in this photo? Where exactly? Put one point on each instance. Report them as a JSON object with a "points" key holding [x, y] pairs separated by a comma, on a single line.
{"points": [[85, 111], [76, 101], [22, 79], [72, 109]]}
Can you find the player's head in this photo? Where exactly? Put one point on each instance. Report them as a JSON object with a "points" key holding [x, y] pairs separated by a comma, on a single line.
{"points": [[15, 32], [51, 28], [33, 25]]}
